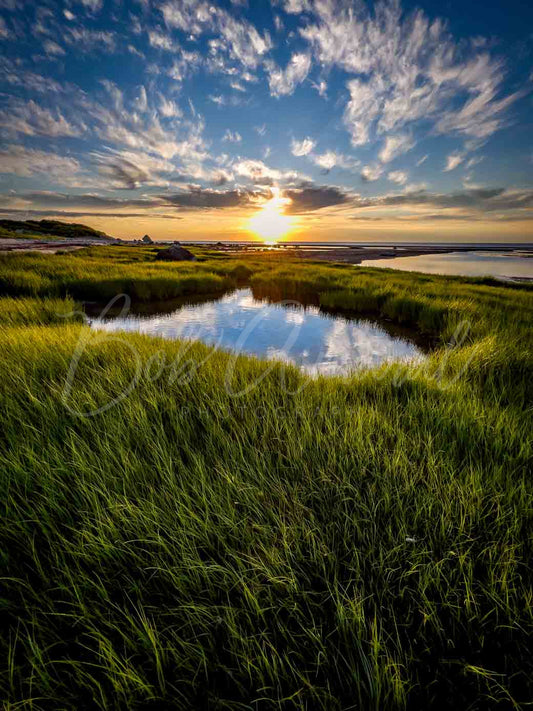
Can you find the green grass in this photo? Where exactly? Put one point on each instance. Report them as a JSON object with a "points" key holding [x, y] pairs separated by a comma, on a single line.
{"points": [[25, 234], [46, 229], [26, 311], [338, 543], [100, 273]]}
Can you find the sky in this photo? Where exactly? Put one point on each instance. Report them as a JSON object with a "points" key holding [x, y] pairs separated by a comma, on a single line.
{"points": [[312, 120]]}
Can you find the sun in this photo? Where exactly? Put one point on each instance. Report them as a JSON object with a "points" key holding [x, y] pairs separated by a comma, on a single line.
{"points": [[270, 223]]}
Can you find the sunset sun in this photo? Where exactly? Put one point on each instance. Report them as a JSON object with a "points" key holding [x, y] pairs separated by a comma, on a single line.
{"points": [[270, 223]]}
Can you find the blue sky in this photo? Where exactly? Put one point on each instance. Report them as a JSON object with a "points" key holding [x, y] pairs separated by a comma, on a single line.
{"points": [[184, 117]]}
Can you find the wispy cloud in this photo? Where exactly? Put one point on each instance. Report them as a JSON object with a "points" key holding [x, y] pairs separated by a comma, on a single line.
{"points": [[453, 160], [398, 176], [408, 69], [31, 119], [284, 81], [331, 159], [303, 147], [29, 161], [237, 39], [52, 48], [394, 146], [232, 136], [260, 174], [370, 173]]}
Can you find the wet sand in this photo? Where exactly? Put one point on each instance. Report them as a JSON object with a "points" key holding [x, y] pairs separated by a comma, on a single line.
{"points": [[357, 254], [46, 246]]}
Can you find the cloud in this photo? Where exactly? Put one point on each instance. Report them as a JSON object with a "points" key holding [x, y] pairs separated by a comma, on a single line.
{"points": [[240, 39], [235, 39], [362, 108], [330, 159], [138, 127], [485, 200], [132, 169], [87, 40], [398, 176], [53, 49], [184, 64], [232, 136], [482, 114], [421, 160], [394, 147], [126, 170], [371, 173], [199, 198], [321, 87], [191, 198], [33, 120], [302, 148], [309, 199], [453, 160], [473, 161], [168, 108], [190, 16], [283, 82], [408, 69], [159, 40], [13, 74], [257, 172], [27, 162], [496, 204], [93, 5], [47, 198], [115, 125], [295, 7], [85, 213], [116, 95], [141, 102]]}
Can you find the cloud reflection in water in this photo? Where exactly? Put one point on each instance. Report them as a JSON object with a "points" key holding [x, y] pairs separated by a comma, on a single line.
{"points": [[318, 343]]}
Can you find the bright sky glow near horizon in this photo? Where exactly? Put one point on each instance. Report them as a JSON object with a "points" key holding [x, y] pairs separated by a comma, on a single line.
{"points": [[282, 119]]}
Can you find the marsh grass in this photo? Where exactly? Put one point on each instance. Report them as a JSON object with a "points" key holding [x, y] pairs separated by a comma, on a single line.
{"points": [[100, 273], [329, 543], [25, 311]]}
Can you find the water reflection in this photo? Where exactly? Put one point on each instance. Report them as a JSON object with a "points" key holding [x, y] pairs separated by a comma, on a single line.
{"points": [[317, 342], [478, 263]]}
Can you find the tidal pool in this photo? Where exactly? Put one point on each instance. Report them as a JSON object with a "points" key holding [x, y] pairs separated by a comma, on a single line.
{"points": [[317, 342], [506, 265]]}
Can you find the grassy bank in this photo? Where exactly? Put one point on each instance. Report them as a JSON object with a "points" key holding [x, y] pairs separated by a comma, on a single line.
{"points": [[100, 273], [334, 543]]}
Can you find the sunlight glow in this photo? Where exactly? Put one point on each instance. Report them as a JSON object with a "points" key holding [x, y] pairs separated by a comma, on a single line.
{"points": [[270, 223]]}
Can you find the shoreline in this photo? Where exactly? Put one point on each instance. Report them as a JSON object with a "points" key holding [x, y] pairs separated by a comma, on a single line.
{"points": [[350, 254], [342, 254]]}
